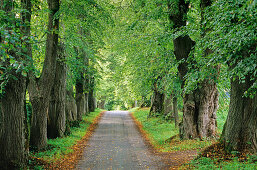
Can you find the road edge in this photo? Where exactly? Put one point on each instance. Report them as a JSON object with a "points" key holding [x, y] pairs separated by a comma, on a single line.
{"points": [[70, 161]]}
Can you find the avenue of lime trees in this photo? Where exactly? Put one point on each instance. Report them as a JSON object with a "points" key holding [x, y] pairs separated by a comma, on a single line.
{"points": [[62, 59]]}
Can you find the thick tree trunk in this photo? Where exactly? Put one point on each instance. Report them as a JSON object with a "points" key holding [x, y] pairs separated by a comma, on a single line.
{"points": [[56, 117], [240, 129], [80, 97], [91, 100], [199, 112], [168, 106], [13, 151], [40, 90], [157, 102], [13, 154], [175, 110], [70, 107], [86, 103], [182, 47], [87, 88], [200, 106]]}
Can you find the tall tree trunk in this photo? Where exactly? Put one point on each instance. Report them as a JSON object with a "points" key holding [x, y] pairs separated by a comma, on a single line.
{"points": [[12, 140], [168, 106], [240, 129], [91, 100], [87, 87], [40, 90], [199, 112], [13, 153], [70, 111], [157, 102], [80, 97], [56, 117], [200, 105], [175, 110], [71, 107], [86, 103]]}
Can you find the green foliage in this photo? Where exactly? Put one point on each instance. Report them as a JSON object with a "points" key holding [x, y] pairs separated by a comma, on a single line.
{"points": [[233, 38], [12, 46], [137, 52]]}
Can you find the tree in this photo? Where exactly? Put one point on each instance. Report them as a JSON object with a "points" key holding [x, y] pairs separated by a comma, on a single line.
{"points": [[56, 114], [200, 105], [91, 98], [233, 41], [13, 153], [157, 100], [40, 89]]}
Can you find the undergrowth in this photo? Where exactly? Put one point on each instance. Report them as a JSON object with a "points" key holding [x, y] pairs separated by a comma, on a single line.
{"points": [[217, 157], [59, 147], [164, 135]]}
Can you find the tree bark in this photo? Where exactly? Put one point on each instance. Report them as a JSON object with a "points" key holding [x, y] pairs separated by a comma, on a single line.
{"points": [[80, 97], [168, 106], [240, 130], [71, 107], [56, 117], [87, 88], [200, 105], [86, 103], [40, 90], [157, 102], [12, 140], [91, 100], [13, 153], [175, 110], [70, 110], [199, 112]]}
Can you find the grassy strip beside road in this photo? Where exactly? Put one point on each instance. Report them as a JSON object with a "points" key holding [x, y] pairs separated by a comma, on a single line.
{"points": [[163, 135], [61, 148]]}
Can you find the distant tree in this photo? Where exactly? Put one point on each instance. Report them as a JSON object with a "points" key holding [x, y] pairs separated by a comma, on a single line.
{"points": [[157, 100]]}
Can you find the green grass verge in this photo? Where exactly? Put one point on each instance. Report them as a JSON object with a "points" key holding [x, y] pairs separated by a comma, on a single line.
{"points": [[207, 163], [59, 147], [160, 131]]}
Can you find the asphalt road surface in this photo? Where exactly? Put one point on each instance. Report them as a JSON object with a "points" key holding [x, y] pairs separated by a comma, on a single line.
{"points": [[117, 144]]}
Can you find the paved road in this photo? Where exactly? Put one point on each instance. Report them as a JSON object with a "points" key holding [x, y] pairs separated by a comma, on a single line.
{"points": [[117, 144]]}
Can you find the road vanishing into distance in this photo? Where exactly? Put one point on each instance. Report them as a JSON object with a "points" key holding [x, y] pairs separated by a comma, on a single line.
{"points": [[117, 144]]}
